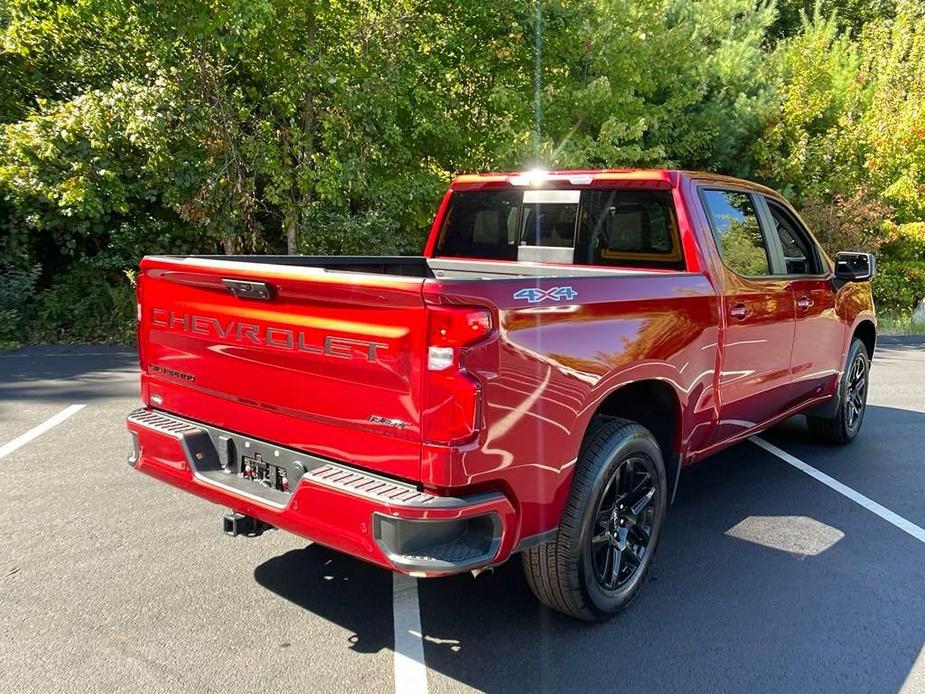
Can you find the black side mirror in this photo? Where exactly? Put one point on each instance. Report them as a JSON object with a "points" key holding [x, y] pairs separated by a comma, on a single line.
{"points": [[855, 267]]}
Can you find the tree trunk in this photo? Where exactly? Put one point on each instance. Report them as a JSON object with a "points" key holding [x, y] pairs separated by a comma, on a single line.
{"points": [[305, 157], [292, 246]]}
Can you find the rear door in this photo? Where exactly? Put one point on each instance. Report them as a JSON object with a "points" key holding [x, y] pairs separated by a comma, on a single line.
{"points": [[757, 315], [819, 337], [326, 362]]}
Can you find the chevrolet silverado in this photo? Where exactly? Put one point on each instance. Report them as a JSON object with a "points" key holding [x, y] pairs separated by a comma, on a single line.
{"points": [[532, 384]]}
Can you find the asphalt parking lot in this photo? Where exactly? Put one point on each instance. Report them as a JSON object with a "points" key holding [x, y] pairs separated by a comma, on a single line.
{"points": [[766, 580]]}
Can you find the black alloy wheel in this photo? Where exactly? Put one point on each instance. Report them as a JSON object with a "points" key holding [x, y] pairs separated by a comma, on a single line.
{"points": [[625, 517], [610, 527], [856, 392]]}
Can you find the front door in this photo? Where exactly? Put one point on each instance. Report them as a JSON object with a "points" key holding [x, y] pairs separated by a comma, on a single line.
{"points": [[819, 338]]}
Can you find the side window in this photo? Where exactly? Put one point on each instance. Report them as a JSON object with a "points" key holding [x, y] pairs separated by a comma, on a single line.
{"points": [[799, 250], [738, 234]]}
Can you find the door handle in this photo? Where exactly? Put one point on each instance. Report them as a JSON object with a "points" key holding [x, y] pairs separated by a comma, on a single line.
{"points": [[739, 311], [804, 303]]}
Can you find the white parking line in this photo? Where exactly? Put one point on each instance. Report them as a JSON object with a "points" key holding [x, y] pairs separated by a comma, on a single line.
{"points": [[8, 448], [410, 670], [858, 498]]}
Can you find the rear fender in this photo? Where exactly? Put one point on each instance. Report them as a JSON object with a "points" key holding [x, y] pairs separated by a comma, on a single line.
{"points": [[636, 374]]}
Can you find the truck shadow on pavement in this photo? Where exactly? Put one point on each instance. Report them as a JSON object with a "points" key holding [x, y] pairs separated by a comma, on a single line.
{"points": [[765, 580], [353, 594]]}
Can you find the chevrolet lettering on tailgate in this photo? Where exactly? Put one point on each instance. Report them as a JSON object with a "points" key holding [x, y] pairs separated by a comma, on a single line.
{"points": [[268, 336]]}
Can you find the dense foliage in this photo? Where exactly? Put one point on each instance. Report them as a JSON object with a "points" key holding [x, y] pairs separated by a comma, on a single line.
{"points": [[140, 126]]}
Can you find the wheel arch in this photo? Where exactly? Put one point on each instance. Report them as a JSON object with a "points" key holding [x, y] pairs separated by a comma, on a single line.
{"points": [[654, 404], [866, 332]]}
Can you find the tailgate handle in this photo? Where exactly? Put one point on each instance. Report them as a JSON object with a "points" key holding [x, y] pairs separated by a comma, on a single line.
{"points": [[249, 289]]}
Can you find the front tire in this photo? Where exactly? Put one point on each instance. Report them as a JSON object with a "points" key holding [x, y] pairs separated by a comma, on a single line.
{"points": [[610, 527], [845, 425]]}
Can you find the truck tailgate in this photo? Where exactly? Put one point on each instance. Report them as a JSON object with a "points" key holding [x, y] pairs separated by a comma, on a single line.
{"points": [[325, 362]]}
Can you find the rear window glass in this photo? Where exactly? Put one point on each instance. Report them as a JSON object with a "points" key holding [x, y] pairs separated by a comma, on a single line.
{"points": [[590, 227]]}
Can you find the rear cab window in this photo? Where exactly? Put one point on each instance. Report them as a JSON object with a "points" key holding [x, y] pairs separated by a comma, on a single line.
{"points": [[606, 227]]}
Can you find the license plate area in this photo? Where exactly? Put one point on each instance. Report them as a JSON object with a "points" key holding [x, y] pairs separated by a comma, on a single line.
{"points": [[268, 473], [250, 467], [261, 467]]}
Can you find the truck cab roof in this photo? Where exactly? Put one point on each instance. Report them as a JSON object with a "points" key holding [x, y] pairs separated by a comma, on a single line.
{"points": [[659, 178]]}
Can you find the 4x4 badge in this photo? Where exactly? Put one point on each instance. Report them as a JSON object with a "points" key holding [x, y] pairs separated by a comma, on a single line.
{"points": [[534, 295]]}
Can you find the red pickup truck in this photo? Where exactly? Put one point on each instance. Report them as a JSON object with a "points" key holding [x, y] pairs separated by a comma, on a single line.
{"points": [[532, 384]]}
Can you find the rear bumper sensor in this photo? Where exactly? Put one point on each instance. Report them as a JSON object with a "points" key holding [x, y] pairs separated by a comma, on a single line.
{"points": [[389, 522]]}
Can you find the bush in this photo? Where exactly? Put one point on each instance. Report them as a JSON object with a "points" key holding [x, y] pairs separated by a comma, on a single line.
{"points": [[366, 233], [17, 288], [849, 222], [898, 287], [900, 281], [86, 305], [905, 243]]}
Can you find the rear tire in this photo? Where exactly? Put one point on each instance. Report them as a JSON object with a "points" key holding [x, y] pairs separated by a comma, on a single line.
{"points": [[610, 527], [845, 425]]}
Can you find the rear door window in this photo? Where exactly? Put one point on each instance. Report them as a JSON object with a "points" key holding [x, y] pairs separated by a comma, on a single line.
{"points": [[582, 227], [734, 220]]}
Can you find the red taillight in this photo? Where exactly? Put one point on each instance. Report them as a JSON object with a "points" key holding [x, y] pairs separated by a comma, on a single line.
{"points": [[450, 394]]}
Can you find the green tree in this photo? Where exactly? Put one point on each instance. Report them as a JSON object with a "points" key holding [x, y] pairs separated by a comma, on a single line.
{"points": [[892, 128], [333, 127], [353, 107], [655, 83], [850, 15]]}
